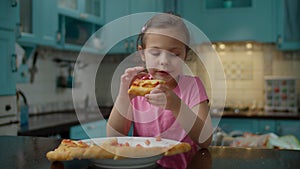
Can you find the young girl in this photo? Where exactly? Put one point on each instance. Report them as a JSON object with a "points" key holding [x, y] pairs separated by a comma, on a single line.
{"points": [[175, 110]]}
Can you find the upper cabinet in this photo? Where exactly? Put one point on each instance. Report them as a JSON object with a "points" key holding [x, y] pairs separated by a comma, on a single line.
{"points": [[115, 11], [8, 66], [267, 21], [68, 26], [8, 59], [288, 19], [8, 14], [36, 26], [232, 20], [78, 20], [88, 10]]}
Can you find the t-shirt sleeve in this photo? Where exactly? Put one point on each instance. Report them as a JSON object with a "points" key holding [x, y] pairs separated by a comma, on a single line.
{"points": [[197, 93]]}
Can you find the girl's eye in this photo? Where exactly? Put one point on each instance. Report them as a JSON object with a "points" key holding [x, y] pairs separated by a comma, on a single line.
{"points": [[154, 52]]}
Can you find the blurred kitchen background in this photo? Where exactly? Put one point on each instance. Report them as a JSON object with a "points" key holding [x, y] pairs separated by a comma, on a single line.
{"points": [[258, 43]]}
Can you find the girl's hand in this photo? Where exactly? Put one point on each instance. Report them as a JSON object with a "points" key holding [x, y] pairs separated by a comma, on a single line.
{"points": [[129, 75], [162, 96]]}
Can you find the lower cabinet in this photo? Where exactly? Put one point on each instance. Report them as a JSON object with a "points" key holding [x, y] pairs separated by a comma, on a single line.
{"points": [[243, 125], [88, 130], [285, 127], [91, 130], [259, 126]]}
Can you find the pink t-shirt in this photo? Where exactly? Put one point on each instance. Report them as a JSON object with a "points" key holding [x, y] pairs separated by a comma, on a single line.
{"points": [[152, 121]]}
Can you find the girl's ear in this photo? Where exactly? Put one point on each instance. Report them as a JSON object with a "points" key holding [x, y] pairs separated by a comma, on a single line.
{"points": [[141, 52]]}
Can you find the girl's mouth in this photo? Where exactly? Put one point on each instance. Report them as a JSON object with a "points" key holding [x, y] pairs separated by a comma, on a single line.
{"points": [[163, 73]]}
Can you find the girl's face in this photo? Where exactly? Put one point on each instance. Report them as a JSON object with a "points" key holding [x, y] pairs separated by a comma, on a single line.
{"points": [[164, 56]]}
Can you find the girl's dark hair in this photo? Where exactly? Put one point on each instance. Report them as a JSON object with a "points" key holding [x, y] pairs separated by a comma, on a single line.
{"points": [[164, 20]]}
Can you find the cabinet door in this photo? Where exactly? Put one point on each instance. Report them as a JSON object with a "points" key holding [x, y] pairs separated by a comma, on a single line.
{"points": [[238, 124], [95, 10], [26, 18], [288, 12], [287, 127], [266, 126], [8, 14], [88, 10], [37, 26], [89, 130], [46, 23], [7, 63], [250, 20], [116, 27]]}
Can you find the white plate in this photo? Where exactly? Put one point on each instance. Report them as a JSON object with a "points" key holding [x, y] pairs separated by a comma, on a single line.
{"points": [[145, 162]]}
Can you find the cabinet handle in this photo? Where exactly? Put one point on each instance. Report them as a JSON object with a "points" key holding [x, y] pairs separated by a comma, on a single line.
{"points": [[58, 36], [83, 15], [14, 3], [279, 40], [14, 63], [267, 128], [18, 31]]}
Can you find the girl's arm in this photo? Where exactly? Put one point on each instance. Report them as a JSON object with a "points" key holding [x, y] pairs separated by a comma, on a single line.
{"points": [[195, 121], [119, 121], [201, 129], [120, 118]]}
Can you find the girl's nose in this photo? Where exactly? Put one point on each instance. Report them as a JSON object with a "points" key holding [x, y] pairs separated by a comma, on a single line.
{"points": [[164, 58]]}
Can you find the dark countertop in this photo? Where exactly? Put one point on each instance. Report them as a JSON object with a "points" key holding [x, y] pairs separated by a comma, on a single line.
{"points": [[22, 152]]}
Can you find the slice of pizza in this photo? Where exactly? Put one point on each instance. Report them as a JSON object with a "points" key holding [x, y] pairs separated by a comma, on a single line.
{"points": [[125, 150], [67, 150], [141, 87], [177, 149]]}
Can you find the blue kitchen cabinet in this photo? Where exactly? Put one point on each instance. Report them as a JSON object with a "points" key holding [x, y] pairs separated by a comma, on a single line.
{"points": [[288, 127], [266, 126], [36, 25], [87, 10], [242, 20], [78, 20], [238, 124], [7, 62], [288, 27], [8, 14], [259, 126], [89, 130], [113, 38], [74, 35]]}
